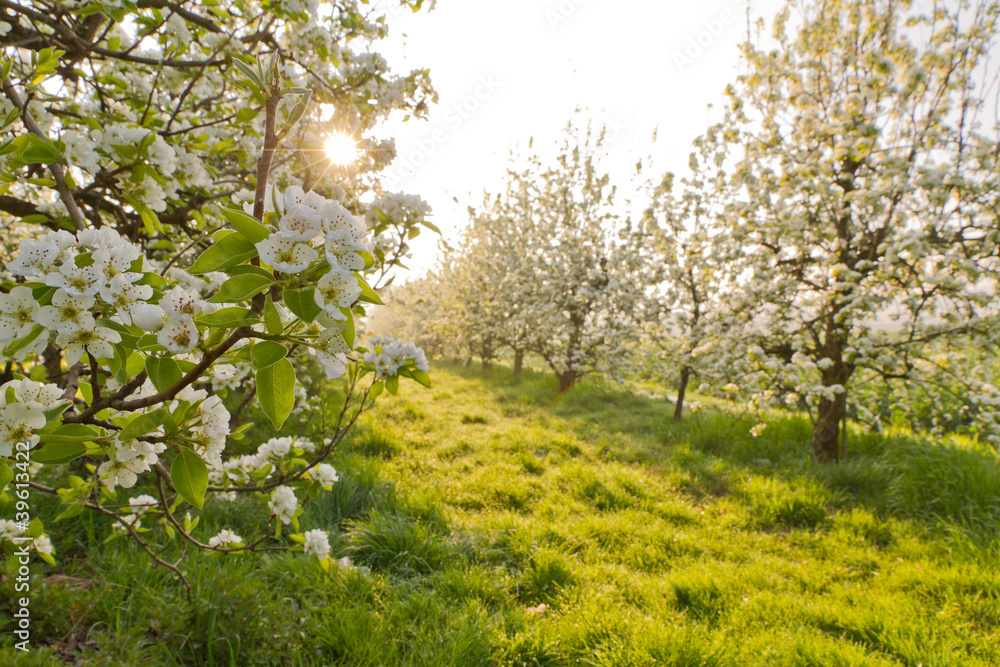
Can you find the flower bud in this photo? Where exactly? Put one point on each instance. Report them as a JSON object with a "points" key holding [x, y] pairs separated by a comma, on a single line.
{"points": [[148, 317]]}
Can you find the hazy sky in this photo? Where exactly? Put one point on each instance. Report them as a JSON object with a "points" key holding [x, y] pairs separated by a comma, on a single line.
{"points": [[507, 71]]}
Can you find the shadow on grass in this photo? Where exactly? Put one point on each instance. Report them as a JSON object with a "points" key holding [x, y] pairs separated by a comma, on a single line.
{"points": [[952, 489]]}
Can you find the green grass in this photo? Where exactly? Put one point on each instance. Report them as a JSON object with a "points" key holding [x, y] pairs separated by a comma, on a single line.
{"points": [[648, 543]]}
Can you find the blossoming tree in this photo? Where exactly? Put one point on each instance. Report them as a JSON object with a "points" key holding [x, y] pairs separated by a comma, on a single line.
{"points": [[687, 314], [140, 298], [549, 266], [868, 218], [591, 265], [493, 274]]}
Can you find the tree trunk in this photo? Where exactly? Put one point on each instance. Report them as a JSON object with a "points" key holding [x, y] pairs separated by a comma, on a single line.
{"points": [[681, 389], [518, 361], [826, 433], [832, 411], [566, 380], [486, 355]]}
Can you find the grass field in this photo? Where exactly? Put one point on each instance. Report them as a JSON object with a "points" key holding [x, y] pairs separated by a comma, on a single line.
{"points": [[504, 527]]}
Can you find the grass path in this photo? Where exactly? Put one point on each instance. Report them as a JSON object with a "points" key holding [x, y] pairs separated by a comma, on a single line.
{"points": [[503, 527], [655, 543]]}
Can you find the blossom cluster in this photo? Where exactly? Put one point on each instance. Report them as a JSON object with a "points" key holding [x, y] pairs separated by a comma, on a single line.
{"points": [[138, 505], [244, 468], [120, 325], [127, 459], [388, 355], [75, 282], [283, 504], [309, 218], [400, 211], [23, 404], [310, 224]]}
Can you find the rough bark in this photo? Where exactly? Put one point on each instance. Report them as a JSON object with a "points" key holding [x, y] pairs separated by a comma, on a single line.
{"points": [[518, 362], [826, 433], [832, 411]]}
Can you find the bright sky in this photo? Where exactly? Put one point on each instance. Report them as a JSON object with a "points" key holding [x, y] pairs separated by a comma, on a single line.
{"points": [[507, 71]]}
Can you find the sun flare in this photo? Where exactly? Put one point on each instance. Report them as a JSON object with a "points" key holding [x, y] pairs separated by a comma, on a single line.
{"points": [[340, 149]]}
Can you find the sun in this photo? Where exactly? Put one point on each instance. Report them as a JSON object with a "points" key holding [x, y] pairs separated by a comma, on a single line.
{"points": [[340, 149]]}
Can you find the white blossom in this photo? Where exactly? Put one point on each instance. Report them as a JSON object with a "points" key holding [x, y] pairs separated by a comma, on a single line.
{"points": [[317, 542], [283, 504]]}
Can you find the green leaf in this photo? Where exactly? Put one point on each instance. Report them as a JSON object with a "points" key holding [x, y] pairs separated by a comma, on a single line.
{"points": [[431, 226], [153, 280], [392, 384], [247, 225], [117, 364], [143, 424], [68, 434], [246, 115], [266, 353], [232, 318], [239, 288], [271, 318], [249, 268], [36, 331], [349, 331], [367, 293], [134, 364], [150, 221], [298, 110], [276, 391], [163, 372], [59, 452], [35, 528], [302, 303], [149, 342], [189, 475], [6, 474], [230, 250], [421, 377], [72, 509], [35, 150], [249, 73], [43, 295], [377, 388]]}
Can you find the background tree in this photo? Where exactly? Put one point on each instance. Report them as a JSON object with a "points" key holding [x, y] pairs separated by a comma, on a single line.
{"points": [[498, 270], [866, 225], [548, 267], [687, 311], [588, 267]]}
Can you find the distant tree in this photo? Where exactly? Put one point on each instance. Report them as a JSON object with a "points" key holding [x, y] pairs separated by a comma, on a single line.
{"points": [[498, 270], [590, 266], [549, 267], [868, 216], [686, 313]]}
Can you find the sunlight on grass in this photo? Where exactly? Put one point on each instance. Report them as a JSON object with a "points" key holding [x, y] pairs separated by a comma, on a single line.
{"points": [[504, 529]]}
